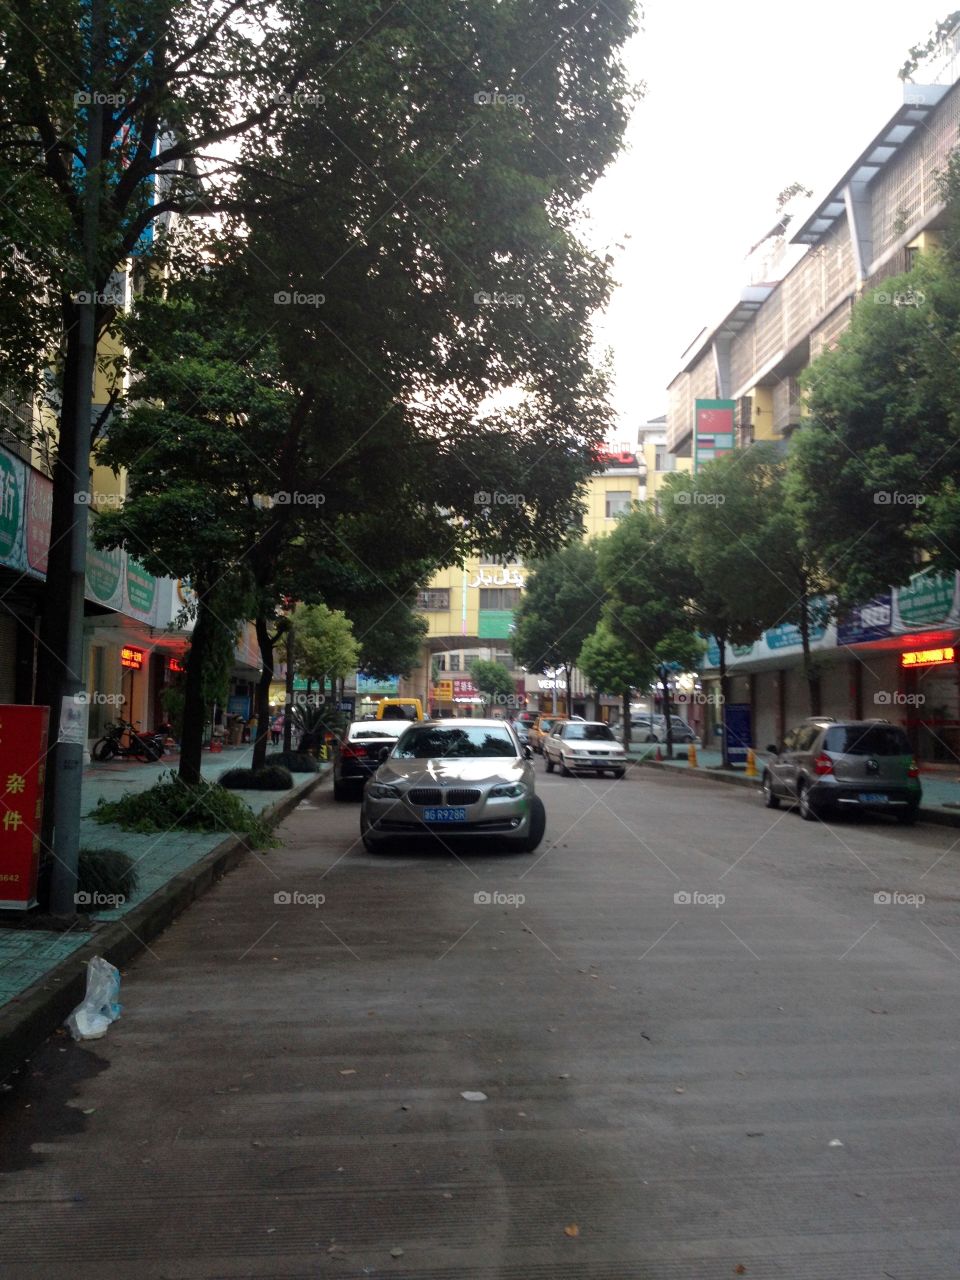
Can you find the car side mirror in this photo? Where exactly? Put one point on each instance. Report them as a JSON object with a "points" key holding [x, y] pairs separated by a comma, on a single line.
{"points": [[527, 752], [773, 750], [383, 754]]}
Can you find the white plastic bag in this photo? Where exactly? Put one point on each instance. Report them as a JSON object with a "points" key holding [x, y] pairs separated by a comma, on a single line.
{"points": [[100, 1005]]}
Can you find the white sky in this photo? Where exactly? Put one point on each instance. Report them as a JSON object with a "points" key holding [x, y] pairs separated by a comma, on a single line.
{"points": [[743, 99]]}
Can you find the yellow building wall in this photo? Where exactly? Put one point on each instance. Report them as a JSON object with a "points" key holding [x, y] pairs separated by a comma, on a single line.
{"points": [[595, 520], [763, 414]]}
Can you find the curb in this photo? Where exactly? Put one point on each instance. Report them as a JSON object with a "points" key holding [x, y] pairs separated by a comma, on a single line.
{"points": [[31, 1017], [936, 817]]}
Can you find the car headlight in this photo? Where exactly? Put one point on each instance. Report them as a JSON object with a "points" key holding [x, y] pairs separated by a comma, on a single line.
{"points": [[382, 791], [513, 790]]}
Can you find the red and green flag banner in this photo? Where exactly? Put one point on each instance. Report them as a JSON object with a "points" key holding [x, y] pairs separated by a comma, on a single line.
{"points": [[713, 430]]}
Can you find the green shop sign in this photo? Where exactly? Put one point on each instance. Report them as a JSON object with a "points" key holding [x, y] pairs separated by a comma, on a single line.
{"points": [[141, 587], [10, 506], [928, 599], [103, 572]]}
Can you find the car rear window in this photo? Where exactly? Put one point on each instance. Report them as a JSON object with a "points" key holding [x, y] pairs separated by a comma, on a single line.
{"points": [[376, 729], [867, 740]]}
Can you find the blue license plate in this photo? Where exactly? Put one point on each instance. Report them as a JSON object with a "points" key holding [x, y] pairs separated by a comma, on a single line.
{"points": [[444, 815], [873, 797]]}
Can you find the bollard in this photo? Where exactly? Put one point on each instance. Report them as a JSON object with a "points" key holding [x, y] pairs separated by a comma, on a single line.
{"points": [[659, 756], [751, 769], [692, 756]]}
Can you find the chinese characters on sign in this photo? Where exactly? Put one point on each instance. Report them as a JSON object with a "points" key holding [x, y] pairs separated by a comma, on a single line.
{"points": [[131, 658], [23, 757], [927, 657]]}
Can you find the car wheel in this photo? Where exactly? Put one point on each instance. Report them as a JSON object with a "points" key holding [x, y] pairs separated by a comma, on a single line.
{"points": [[770, 798], [548, 762], [619, 773], [908, 817], [807, 810], [341, 791], [538, 825], [650, 738], [564, 771]]}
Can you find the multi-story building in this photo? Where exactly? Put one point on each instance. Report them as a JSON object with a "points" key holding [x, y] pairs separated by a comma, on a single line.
{"points": [[469, 609], [883, 210]]}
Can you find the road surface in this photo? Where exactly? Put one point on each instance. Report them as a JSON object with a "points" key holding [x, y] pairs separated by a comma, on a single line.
{"points": [[707, 1048]]}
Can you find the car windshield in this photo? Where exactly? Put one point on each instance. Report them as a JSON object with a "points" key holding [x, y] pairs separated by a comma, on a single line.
{"points": [[377, 729], [462, 742], [867, 740], [592, 732], [545, 726]]}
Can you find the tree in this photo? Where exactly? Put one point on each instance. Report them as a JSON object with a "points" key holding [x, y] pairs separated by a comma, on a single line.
{"points": [[494, 681], [642, 576], [612, 667], [745, 571], [324, 643], [558, 610]]}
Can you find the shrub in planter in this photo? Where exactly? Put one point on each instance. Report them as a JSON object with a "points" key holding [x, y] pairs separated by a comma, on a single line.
{"points": [[295, 761], [271, 777], [174, 805], [107, 872]]}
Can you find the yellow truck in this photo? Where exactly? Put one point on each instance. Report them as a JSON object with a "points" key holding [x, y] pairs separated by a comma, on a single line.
{"points": [[400, 709]]}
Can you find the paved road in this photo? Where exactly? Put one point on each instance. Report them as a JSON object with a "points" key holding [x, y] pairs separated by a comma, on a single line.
{"points": [[765, 1087]]}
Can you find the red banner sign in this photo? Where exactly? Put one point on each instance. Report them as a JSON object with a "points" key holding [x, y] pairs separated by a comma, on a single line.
{"points": [[927, 657], [131, 658], [23, 762]]}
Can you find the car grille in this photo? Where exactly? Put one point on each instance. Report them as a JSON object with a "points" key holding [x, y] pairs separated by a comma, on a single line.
{"points": [[425, 795], [462, 797]]}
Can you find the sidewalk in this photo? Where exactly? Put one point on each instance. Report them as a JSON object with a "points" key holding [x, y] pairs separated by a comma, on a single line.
{"points": [[941, 785], [27, 956]]}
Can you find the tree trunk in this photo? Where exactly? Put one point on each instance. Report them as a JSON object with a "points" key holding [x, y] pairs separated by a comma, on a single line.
{"points": [[194, 710], [569, 670], [288, 700], [667, 710], [626, 719], [724, 685], [266, 643], [810, 672]]}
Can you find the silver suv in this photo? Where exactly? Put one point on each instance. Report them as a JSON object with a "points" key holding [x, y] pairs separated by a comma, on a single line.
{"points": [[825, 765]]}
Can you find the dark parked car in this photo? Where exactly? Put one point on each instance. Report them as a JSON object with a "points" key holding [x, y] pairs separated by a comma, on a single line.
{"points": [[825, 765], [357, 755]]}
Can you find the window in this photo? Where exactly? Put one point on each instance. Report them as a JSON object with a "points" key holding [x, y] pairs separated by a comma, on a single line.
{"points": [[501, 562], [499, 597], [587, 732], [454, 662], [457, 744], [911, 253], [441, 660], [618, 502], [434, 598], [870, 740]]}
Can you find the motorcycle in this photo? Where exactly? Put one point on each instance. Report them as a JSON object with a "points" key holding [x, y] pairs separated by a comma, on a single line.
{"points": [[146, 747]]}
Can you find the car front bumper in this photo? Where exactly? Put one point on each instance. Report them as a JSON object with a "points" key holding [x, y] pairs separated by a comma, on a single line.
{"points": [[487, 817]]}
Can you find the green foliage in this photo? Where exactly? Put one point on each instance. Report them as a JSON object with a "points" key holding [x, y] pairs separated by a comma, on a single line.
{"points": [[174, 805], [494, 681], [107, 871], [935, 42], [642, 572], [559, 608], [295, 761], [271, 777], [610, 665], [323, 643]]}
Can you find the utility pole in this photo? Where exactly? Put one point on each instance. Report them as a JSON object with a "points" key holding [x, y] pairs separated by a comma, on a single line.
{"points": [[288, 697], [73, 463]]}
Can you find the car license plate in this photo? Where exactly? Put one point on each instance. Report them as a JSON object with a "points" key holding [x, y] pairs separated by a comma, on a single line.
{"points": [[873, 797], [445, 815]]}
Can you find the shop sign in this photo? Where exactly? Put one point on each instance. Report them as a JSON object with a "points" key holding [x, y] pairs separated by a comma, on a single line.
{"points": [[131, 658], [871, 621], [787, 635], [104, 569], [11, 480], [39, 519], [141, 587], [713, 433], [928, 599], [23, 753], [443, 690], [465, 688], [498, 578], [175, 665], [928, 657]]}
